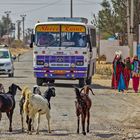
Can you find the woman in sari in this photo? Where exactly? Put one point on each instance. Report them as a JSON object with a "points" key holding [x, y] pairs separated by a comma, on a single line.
{"points": [[135, 73], [127, 71], [118, 73], [121, 81], [115, 73]]}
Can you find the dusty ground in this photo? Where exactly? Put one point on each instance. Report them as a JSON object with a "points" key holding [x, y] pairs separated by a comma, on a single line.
{"points": [[16, 51], [114, 115]]}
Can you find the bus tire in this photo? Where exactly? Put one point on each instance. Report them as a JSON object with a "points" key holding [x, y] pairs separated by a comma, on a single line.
{"points": [[81, 82], [89, 81], [52, 81], [39, 81]]}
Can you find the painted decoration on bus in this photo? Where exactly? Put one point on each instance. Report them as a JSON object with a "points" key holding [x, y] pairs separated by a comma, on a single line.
{"points": [[73, 28], [48, 28]]}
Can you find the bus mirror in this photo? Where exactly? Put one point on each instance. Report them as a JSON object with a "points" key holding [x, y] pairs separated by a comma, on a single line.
{"points": [[32, 38], [88, 38]]}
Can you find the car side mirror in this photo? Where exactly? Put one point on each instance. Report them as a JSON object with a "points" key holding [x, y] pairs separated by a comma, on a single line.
{"points": [[13, 57], [31, 45]]}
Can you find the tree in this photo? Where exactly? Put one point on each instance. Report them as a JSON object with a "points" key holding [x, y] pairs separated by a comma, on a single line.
{"points": [[136, 18], [6, 26], [112, 19]]}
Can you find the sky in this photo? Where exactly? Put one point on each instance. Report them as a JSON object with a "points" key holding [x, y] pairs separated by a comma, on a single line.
{"points": [[39, 10]]}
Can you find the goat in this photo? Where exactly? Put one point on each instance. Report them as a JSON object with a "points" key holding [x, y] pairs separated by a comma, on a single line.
{"points": [[2, 90], [36, 90], [37, 104], [26, 90], [83, 105], [7, 103], [23, 104]]}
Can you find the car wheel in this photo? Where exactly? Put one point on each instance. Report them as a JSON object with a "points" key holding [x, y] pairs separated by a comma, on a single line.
{"points": [[11, 75]]}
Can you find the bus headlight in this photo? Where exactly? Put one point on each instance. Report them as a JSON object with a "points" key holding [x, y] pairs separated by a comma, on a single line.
{"points": [[46, 64], [79, 63], [72, 65], [40, 62]]}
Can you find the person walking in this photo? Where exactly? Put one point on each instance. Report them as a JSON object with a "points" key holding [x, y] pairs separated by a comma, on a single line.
{"points": [[135, 66], [118, 73], [114, 83], [121, 81], [127, 71]]}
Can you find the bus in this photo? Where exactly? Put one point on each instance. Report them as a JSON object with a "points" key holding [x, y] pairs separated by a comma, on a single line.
{"points": [[64, 48]]}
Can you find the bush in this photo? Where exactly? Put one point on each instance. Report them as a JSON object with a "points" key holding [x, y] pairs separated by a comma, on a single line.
{"points": [[104, 69], [17, 44]]}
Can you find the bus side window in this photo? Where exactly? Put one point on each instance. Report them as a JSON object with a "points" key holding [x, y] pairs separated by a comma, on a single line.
{"points": [[93, 37]]}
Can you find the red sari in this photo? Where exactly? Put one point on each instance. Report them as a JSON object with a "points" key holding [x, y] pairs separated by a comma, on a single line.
{"points": [[118, 68], [135, 74], [127, 73]]}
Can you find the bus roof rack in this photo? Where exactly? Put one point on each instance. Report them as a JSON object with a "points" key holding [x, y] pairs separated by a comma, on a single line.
{"points": [[74, 19]]}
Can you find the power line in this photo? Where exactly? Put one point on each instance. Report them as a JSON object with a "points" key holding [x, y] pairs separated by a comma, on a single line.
{"points": [[39, 3], [35, 9]]}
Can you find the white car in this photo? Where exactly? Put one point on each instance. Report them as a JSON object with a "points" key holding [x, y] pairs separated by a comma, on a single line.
{"points": [[6, 62]]}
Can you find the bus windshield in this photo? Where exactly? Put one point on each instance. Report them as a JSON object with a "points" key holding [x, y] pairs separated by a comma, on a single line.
{"points": [[64, 36]]}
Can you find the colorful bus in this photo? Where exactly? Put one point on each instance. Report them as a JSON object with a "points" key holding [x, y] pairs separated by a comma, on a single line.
{"points": [[64, 48]]}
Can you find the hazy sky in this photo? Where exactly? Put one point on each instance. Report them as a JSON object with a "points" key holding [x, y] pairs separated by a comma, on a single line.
{"points": [[39, 10]]}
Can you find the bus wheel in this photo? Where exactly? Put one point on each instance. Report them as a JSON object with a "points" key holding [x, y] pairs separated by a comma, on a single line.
{"points": [[51, 81], [89, 81], [39, 81], [81, 82]]}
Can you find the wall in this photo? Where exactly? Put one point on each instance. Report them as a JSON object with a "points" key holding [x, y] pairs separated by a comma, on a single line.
{"points": [[109, 47]]}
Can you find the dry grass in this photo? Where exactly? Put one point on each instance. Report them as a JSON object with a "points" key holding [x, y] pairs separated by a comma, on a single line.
{"points": [[18, 47], [103, 71], [16, 51]]}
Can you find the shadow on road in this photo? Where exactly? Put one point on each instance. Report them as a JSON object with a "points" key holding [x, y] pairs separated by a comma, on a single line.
{"points": [[10, 133], [57, 132], [14, 77], [66, 85], [97, 86], [69, 85], [105, 136]]}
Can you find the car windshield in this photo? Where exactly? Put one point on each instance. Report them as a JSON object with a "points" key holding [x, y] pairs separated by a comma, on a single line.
{"points": [[4, 54]]}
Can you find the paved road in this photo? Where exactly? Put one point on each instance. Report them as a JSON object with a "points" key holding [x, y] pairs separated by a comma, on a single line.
{"points": [[114, 116]]}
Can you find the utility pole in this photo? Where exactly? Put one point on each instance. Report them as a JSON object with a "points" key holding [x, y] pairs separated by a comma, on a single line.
{"points": [[71, 8], [18, 29], [7, 26], [131, 27], [7, 23], [128, 24], [23, 20]]}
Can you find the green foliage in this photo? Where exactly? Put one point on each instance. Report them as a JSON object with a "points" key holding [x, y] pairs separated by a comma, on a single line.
{"points": [[112, 18], [6, 26]]}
